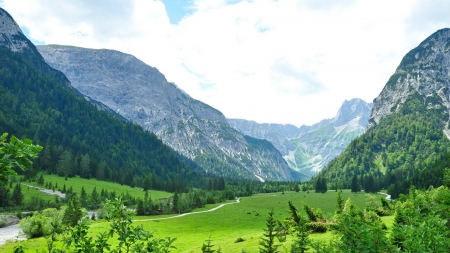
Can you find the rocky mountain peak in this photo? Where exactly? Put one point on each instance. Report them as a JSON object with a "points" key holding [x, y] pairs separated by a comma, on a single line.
{"points": [[349, 110], [423, 70], [12, 36], [307, 149]]}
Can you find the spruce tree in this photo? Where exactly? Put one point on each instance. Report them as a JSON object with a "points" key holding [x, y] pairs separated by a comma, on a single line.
{"points": [[301, 240], [339, 202], [17, 196], [95, 200], [41, 180], [147, 184], [83, 197], [73, 212], [355, 185], [85, 166], [175, 203], [268, 239], [4, 196]]}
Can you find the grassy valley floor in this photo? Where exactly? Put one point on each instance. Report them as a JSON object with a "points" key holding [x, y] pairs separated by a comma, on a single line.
{"points": [[245, 220]]}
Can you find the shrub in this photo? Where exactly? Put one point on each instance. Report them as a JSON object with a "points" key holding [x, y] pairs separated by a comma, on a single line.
{"points": [[42, 224], [240, 239], [35, 226]]}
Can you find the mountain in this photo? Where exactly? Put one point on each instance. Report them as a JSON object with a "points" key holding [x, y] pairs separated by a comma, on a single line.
{"points": [[141, 94], [307, 149], [38, 102], [407, 134], [424, 72]]}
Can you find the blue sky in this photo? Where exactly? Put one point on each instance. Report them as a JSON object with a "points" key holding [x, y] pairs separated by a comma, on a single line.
{"points": [[271, 61], [177, 9]]}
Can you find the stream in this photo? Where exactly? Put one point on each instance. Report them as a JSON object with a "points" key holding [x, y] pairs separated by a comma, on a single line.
{"points": [[10, 233]]}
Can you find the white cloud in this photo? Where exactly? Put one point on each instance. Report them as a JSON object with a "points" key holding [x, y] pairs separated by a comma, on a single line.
{"points": [[271, 61]]}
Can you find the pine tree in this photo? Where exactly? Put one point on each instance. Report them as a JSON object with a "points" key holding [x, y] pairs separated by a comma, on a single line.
{"points": [[355, 185], [17, 196], [41, 180], [321, 184], [65, 164], [175, 203], [318, 184], [47, 157], [339, 202], [73, 212], [301, 240], [324, 187], [83, 197], [369, 184], [4, 196], [208, 247], [268, 239], [147, 184], [85, 166], [95, 201]]}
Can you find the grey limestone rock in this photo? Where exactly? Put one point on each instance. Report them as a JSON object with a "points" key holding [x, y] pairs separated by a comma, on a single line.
{"points": [[11, 36], [141, 94], [423, 70]]}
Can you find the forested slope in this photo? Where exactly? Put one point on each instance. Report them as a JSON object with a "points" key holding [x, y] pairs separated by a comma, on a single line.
{"points": [[36, 102]]}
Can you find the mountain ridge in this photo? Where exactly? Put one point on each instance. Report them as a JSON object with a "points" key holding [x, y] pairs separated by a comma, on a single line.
{"points": [[141, 94], [307, 149]]}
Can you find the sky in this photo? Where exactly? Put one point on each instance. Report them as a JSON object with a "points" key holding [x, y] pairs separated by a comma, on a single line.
{"points": [[270, 61]]}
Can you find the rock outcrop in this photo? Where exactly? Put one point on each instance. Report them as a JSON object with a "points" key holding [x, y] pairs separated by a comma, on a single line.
{"points": [[425, 71], [10, 34]]}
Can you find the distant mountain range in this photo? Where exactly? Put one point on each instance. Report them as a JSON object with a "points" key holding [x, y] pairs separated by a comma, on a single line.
{"points": [[141, 94], [307, 149]]}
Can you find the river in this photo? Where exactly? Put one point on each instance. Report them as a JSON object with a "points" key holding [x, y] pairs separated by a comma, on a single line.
{"points": [[10, 233]]}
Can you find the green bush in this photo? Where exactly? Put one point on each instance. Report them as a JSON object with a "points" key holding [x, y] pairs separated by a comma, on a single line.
{"points": [[240, 239], [42, 224], [35, 226]]}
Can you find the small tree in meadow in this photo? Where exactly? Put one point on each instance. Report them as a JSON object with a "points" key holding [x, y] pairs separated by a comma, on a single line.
{"points": [[301, 240], [268, 239]]}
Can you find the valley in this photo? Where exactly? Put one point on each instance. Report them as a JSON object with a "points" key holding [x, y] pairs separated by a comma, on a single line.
{"points": [[245, 219], [110, 134]]}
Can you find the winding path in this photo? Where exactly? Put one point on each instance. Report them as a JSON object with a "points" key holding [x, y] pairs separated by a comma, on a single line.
{"points": [[48, 191], [185, 214]]}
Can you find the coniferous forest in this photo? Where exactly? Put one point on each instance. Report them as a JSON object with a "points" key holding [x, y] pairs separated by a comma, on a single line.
{"points": [[77, 138], [406, 147]]}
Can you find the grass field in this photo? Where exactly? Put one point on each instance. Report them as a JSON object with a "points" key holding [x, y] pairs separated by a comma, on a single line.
{"points": [[245, 220], [77, 183]]}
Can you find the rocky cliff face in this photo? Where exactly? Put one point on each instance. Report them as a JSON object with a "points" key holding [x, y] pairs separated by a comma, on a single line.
{"points": [[142, 94], [424, 71], [10, 34], [307, 149]]}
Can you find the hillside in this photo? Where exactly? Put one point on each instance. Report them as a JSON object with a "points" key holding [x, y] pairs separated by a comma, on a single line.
{"points": [[141, 94], [307, 149], [406, 133], [39, 103]]}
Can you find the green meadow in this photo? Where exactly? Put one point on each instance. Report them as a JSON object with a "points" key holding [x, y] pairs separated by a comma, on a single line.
{"points": [[245, 220], [77, 183]]}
